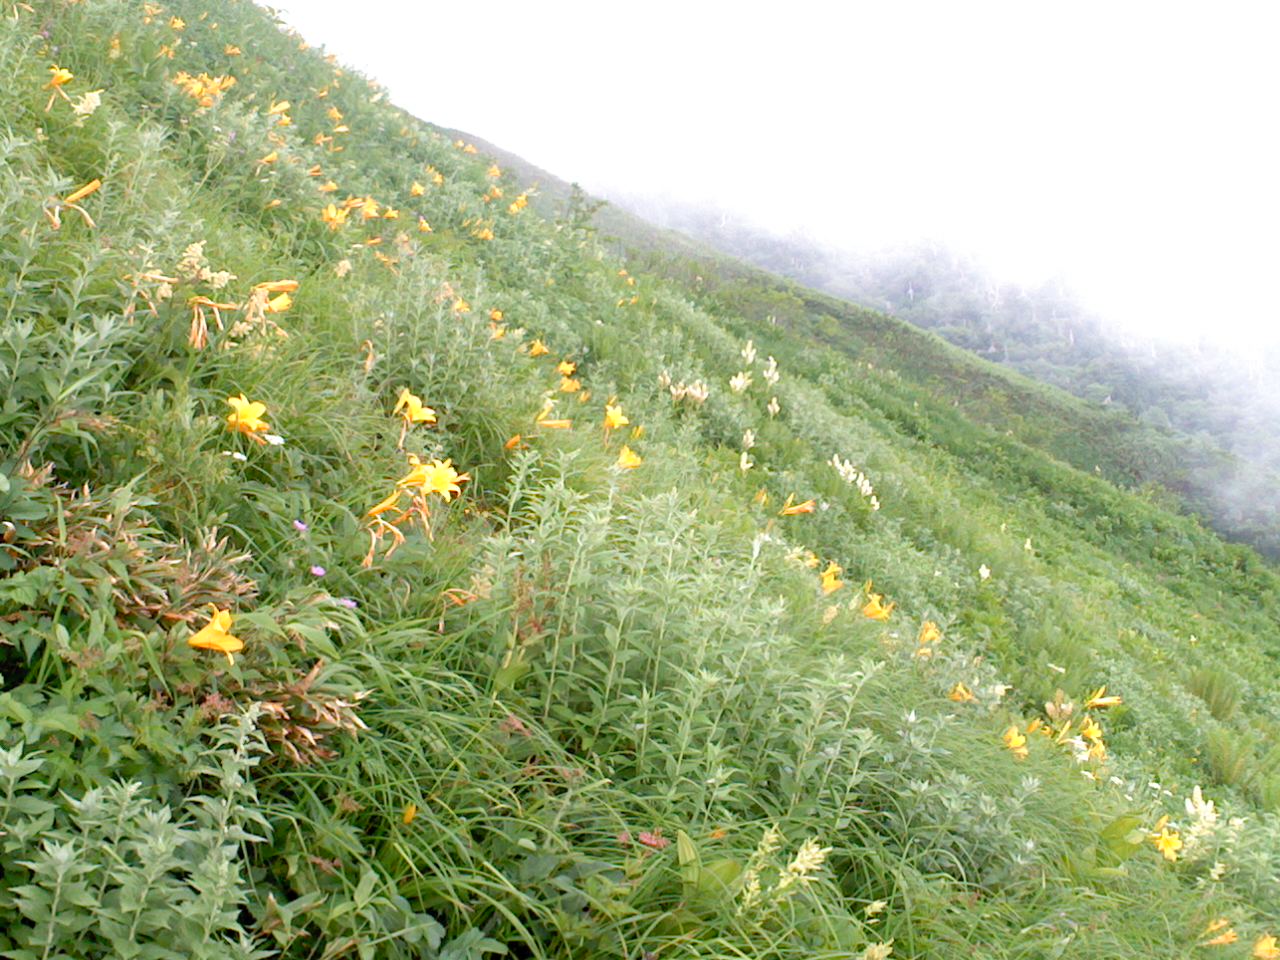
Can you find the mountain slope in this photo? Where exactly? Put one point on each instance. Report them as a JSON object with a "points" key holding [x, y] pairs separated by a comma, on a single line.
{"points": [[389, 571], [1205, 411]]}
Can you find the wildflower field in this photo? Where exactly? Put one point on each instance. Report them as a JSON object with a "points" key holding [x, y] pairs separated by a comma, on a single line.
{"points": [[390, 568]]}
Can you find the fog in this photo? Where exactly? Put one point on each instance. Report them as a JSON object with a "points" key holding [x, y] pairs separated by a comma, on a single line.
{"points": [[1131, 149]]}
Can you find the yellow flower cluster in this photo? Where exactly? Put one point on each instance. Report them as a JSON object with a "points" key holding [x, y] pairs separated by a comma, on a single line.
{"points": [[424, 480], [202, 88]]}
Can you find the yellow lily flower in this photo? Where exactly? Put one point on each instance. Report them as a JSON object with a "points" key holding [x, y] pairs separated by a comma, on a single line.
{"points": [[831, 581], [792, 509], [961, 694], [59, 77], [628, 459], [570, 385], [538, 349], [1266, 948], [389, 502], [1168, 842], [412, 409], [1227, 937], [417, 189], [438, 477], [216, 635], [1090, 730], [1016, 742], [1098, 700], [566, 368], [277, 286], [79, 194], [335, 217], [875, 609], [246, 417], [614, 417]]}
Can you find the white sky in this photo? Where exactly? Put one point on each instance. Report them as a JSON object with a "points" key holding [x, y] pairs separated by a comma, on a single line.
{"points": [[1133, 148]]}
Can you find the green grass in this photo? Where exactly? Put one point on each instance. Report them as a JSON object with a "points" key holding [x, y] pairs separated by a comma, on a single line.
{"points": [[561, 718]]}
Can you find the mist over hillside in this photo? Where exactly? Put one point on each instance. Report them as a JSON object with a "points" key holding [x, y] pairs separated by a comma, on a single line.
{"points": [[1219, 394]]}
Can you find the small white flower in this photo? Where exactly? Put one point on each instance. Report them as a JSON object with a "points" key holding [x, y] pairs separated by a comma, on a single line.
{"points": [[984, 572], [740, 381], [274, 439], [749, 353], [771, 372], [84, 107], [773, 407], [748, 439], [235, 455], [744, 462]]}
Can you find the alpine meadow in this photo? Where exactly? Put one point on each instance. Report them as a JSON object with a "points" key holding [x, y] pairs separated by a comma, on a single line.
{"points": [[394, 565]]}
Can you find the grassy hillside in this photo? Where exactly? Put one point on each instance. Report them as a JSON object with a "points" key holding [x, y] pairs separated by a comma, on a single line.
{"points": [[390, 571], [1198, 461], [1202, 415]]}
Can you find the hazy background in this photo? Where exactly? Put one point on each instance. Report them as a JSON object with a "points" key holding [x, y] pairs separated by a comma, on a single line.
{"points": [[1131, 149]]}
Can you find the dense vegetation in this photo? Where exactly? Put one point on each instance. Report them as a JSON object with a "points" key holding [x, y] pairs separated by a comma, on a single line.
{"points": [[1203, 412], [390, 571]]}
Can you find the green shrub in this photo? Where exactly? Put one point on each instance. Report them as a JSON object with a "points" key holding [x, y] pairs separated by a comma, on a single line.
{"points": [[1218, 689]]}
